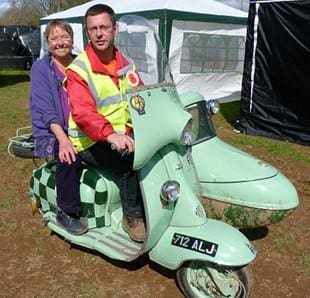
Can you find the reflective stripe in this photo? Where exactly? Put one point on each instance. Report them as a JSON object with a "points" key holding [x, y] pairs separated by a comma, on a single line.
{"points": [[80, 64], [76, 133], [91, 84], [124, 70], [109, 101], [79, 133]]}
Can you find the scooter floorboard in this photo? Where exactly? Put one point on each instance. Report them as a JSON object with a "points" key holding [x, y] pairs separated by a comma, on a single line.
{"points": [[115, 244]]}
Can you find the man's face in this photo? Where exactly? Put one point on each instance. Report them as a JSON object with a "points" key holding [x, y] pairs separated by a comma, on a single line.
{"points": [[101, 31]]}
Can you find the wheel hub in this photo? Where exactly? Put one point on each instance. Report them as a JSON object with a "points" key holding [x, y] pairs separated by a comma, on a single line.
{"points": [[216, 282]]}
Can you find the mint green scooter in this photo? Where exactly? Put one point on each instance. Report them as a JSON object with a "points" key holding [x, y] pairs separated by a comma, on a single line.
{"points": [[209, 256]]}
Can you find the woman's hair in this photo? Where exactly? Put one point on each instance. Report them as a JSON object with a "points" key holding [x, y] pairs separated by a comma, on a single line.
{"points": [[98, 9], [58, 23]]}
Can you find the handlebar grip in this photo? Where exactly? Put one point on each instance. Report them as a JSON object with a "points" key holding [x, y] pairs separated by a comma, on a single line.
{"points": [[123, 152]]}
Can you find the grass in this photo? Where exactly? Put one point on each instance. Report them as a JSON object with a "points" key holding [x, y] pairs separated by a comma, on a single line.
{"points": [[227, 119], [12, 77], [14, 113], [14, 93], [280, 240], [90, 289]]}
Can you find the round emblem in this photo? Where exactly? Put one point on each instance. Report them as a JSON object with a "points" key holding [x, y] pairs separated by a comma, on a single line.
{"points": [[132, 78]]}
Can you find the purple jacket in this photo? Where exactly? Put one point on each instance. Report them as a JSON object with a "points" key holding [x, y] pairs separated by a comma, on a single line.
{"points": [[48, 104]]}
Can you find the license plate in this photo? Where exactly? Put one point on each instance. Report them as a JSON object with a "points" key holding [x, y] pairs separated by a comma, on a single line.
{"points": [[195, 244]]}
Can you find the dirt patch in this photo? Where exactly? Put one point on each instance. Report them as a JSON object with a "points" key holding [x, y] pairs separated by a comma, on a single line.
{"points": [[37, 263]]}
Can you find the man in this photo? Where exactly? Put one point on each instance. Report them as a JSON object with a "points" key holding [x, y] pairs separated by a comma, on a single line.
{"points": [[100, 119]]}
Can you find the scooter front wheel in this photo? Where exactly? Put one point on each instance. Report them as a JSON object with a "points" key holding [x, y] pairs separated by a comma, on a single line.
{"points": [[203, 279]]}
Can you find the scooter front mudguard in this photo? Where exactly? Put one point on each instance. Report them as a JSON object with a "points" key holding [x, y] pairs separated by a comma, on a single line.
{"points": [[214, 242]]}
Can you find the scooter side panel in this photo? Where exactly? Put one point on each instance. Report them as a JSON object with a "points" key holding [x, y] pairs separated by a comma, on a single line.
{"points": [[171, 163], [158, 215], [275, 193], [214, 242], [153, 111], [96, 190], [219, 162]]}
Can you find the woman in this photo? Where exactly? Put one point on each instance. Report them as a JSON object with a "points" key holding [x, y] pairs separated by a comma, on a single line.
{"points": [[49, 112]]}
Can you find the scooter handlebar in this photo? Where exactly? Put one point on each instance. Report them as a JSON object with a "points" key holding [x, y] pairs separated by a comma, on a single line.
{"points": [[123, 152]]}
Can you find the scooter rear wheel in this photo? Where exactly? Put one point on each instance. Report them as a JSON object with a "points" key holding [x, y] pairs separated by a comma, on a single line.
{"points": [[22, 151], [203, 279]]}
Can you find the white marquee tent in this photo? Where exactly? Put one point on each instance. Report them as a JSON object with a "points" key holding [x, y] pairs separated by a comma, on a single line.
{"points": [[205, 40]]}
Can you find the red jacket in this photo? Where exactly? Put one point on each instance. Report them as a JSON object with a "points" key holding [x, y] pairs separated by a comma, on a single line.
{"points": [[82, 104]]}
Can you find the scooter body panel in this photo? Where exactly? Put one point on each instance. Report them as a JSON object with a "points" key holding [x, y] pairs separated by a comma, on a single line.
{"points": [[219, 162], [98, 191], [149, 118], [241, 190], [170, 164], [214, 242], [231, 178]]}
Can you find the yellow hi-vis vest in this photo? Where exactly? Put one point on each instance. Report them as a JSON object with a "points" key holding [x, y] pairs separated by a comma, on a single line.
{"points": [[109, 99]]}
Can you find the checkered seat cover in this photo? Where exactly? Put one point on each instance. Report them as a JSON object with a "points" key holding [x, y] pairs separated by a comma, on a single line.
{"points": [[98, 190]]}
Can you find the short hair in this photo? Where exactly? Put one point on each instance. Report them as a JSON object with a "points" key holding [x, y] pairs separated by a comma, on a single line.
{"points": [[58, 23], [98, 9]]}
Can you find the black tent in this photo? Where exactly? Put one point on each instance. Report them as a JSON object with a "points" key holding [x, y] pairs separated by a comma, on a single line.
{"points": [[275, 97]]}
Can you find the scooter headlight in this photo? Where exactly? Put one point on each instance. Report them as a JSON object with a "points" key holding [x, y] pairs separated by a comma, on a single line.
{"points": [[213, 106], [170, 191], [190, 133]]}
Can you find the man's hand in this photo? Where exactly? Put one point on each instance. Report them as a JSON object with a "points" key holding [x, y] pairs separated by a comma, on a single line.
{"points": [[121, 142]]}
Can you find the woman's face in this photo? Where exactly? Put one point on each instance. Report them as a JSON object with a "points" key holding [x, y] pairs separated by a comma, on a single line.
{"points": [[59, 43]]}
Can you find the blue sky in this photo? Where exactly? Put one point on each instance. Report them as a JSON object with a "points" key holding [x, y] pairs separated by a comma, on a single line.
{"points": [[4, 4]]}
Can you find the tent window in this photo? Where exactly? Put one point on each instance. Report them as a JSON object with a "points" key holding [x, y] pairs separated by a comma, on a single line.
{"points": [[212, 53], [133, 45]]}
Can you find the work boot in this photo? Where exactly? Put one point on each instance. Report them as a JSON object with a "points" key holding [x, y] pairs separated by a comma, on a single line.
{"points": [[72, 224], [135, 227]]}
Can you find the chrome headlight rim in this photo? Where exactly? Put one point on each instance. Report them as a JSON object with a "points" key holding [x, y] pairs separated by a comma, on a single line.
{"points": [[189, 133], [170, 191], [213, 106]]}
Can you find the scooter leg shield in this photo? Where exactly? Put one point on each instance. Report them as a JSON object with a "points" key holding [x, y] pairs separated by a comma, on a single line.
{"points": [[214, 241]]}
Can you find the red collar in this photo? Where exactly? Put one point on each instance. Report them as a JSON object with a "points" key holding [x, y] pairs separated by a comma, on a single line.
{"points": [[97, 65]]}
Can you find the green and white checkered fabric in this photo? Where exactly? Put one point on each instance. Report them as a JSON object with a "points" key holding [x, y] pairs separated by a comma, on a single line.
{"points": [[93, 191], [42, 185]]}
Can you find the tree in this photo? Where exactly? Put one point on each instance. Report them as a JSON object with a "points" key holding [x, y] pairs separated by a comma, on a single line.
{"points": [[51, 6], [29, 12]]}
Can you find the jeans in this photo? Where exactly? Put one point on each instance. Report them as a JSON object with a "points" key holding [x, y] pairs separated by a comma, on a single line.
{"points": [[68, 186], [101, 155]]}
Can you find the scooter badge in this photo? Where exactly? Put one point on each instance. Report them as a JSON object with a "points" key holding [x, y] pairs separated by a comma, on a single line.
{"points": [[132, 78], [137, 102]]}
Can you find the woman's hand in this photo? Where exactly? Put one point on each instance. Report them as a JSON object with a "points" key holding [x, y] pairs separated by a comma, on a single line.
{"points": [[67, 151]]}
